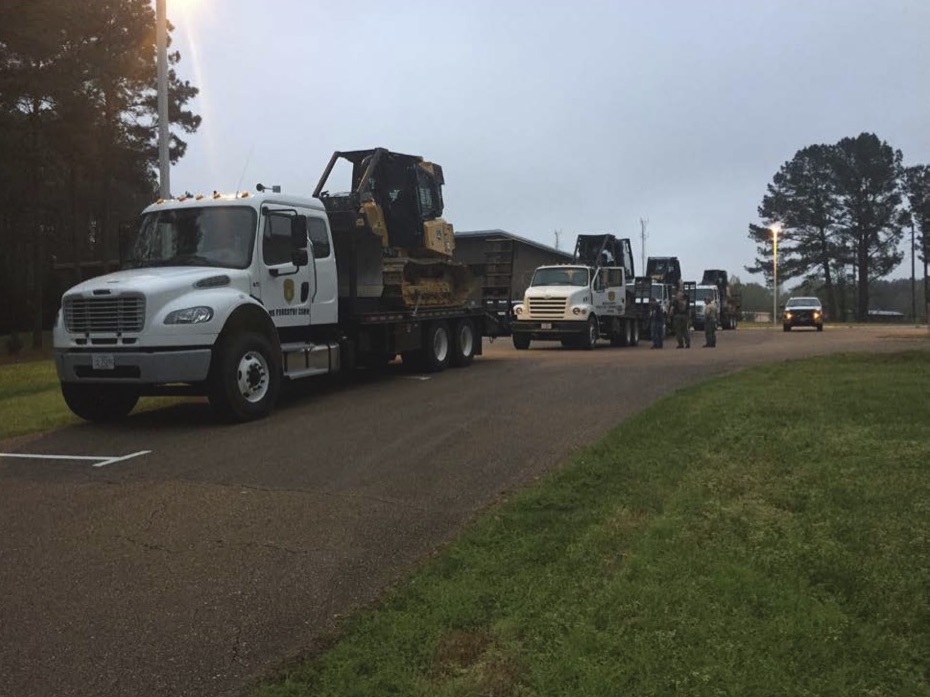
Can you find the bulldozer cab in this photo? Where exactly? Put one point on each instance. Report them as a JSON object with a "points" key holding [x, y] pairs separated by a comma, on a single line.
{"points": [[394, 196], [604, 250], [664, 270]]}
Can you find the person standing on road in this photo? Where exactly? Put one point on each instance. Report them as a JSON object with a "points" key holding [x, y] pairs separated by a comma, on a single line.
{"points": [[680, 312], [656, 323], [710, 322]]}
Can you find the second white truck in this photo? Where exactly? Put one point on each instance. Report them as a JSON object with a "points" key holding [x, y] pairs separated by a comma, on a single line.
{"points": [[580, 303]]}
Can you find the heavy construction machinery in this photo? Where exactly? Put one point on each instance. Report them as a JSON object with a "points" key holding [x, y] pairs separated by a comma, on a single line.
{"points": [[665, 270], [229, 296], [584, 301], [392, 220]]}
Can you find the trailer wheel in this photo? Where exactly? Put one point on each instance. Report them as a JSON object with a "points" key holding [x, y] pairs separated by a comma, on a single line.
{"points": [[244, 377], [589, 338], [617, 332], [100, 402], [463, 343], [434, 355], [634, 338], [521, 342]]}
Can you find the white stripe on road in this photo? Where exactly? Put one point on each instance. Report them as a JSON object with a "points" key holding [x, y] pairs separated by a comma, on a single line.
{"points": [[100, 460]]}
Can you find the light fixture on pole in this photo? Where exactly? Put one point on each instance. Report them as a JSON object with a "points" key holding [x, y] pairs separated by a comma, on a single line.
{"points": [[161, 41], [775, 228]]}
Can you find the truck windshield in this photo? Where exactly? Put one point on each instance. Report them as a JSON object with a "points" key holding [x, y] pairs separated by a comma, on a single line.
{"points": [[561, 276], [209, 236], [702, 294], [802, 303]]}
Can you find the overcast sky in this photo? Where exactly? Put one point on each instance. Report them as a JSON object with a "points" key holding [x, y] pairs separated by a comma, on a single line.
{"points": [[579, 117]]}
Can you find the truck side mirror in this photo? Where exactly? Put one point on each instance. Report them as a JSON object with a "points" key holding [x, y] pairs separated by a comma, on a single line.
{"points": [[299, 232], [300, 257]]}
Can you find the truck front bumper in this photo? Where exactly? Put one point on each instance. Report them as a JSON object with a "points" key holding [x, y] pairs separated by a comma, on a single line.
{"points": [[552, 330], [157, 367]]}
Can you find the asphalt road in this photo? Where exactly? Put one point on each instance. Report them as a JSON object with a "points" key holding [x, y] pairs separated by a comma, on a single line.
{"points": [[204, 562]]}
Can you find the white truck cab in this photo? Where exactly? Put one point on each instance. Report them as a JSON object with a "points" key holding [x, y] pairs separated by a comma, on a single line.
{"points": [[575, 304], [697, 303], [209, 289]]}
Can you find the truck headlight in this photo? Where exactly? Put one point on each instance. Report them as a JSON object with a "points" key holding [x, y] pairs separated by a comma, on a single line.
{"points": [[190, 315], [787, 315], [518, 310]]}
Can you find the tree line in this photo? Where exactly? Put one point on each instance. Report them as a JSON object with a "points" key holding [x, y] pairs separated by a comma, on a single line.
{"points": [[78, 143], [842, 212], [896, 296]]}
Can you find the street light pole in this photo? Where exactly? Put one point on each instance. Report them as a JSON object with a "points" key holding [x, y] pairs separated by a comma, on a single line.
{"points": [[161, 41], [775, 275]]}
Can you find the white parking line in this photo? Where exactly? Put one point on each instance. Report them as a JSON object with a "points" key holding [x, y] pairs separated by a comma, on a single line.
{"points": [[100, 460]]}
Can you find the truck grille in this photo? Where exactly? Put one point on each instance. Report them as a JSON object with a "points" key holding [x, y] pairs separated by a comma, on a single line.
{"points": [[120, 313], [542, 308]]}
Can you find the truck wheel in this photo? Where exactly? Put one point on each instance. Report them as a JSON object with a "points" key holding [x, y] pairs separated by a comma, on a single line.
{"points": [[589, 339], [244, 377], [99, 402], [521, 342], [434, 356], [634, 335], [463, 343]]}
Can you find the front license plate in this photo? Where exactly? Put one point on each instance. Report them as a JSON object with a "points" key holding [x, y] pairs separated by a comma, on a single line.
{"points": [[545, 325], [102, 361]]}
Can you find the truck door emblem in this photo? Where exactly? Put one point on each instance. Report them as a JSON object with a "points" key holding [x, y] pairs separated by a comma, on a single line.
{"points": [[288, 290]]}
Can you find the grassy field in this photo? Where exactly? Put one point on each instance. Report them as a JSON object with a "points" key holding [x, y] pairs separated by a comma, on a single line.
{"points": [[30, 398], [766, 533]]}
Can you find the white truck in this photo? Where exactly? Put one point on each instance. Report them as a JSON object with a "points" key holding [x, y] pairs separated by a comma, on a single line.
{"points": [[227, 296], [580, 303], [701, 292], [644, 291]]}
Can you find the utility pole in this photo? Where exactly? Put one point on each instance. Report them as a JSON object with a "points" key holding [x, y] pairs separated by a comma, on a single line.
{"points": [[913, 277], [643, 222], [161, 41]]}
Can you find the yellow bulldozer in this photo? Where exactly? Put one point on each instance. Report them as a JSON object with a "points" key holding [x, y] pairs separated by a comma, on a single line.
{"points": [[390, 225]]}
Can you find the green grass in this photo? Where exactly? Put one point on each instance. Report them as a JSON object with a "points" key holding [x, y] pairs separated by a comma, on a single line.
{"points": [[766, 533], [30, 399]]}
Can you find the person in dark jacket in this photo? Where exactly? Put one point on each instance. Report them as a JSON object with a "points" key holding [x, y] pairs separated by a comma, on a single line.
{"points": [[656, 323], [681, 311]]}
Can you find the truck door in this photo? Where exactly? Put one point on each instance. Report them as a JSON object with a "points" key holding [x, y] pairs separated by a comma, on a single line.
{"points": [[608, 292], [285, 287]]}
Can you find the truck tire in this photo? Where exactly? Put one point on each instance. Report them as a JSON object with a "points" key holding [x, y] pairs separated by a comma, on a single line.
{"points": [[634, 332], [625, 337], [434, 354], [245, 377], [589, 338], [100, 402], [617, 333], [521, 342], [463, 343]]}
